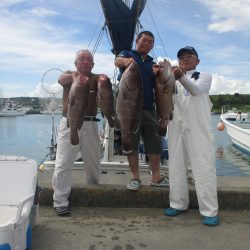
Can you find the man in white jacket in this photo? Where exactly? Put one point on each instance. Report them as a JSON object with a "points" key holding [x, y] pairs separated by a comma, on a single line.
{"points": [[190, 139]]}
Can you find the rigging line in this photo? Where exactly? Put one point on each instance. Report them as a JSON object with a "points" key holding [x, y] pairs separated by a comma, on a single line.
{"points": [[141, 29], [154, 55], [95, 31], [98, 40], [110, 43], [157, 31]]}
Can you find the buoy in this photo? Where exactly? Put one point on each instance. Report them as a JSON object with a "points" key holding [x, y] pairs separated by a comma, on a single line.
{"points": [[220, 126], [42, 167]]}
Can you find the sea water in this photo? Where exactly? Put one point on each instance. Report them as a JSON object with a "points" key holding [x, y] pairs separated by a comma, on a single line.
{"points": [[31, 135]]}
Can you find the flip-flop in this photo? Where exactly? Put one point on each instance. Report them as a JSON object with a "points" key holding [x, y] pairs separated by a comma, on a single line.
{"points": [[163, 182], [210, 221], [173, 211]]}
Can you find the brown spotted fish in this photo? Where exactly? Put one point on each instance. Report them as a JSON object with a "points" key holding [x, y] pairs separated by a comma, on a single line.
{"points": [[77, 106], [129, 105], [164, 89], [106, 99]]}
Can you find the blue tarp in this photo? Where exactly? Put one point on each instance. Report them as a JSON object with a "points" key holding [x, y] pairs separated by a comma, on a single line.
{"points": [[121, 22]]}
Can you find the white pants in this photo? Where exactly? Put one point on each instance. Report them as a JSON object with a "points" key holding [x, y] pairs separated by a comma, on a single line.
{"points": [[89, 145], [191, 147]]}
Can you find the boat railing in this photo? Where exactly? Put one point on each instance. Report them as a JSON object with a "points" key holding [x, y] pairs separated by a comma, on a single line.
{"points": [[228, 109]]}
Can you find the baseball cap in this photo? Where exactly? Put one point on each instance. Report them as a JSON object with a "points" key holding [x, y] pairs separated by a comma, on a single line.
{"points": [[189, 49]]}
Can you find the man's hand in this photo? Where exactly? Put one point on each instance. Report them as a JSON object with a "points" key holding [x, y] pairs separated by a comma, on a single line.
{"points": [[177, 72], [122, 62], [162, 66], [156, 69], [128, 61]]}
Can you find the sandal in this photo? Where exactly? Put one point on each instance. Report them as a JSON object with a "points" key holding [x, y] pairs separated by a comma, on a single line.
{"points": [[134, 184], [163, 182], [210, 221], [173, 211]]}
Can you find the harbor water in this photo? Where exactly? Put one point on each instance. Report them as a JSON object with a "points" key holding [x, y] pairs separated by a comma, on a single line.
{"points": [[30, 136]]}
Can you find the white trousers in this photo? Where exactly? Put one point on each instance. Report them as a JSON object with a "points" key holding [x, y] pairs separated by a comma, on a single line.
{"points": [[192, 147], [89, 145]]}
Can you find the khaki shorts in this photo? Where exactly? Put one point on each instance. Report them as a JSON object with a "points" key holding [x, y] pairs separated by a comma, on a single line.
{"points": [[147, 132]]}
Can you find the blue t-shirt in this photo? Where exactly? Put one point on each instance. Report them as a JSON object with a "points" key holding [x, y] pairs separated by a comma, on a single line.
{"points": [[148, 78]]}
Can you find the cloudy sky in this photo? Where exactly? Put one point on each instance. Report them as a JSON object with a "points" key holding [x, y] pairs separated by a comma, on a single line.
{"points": [[39, 35]]}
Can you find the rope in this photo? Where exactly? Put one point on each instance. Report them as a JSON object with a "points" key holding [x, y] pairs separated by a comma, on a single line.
{"points": [[95, 31], [98, 40], [110, 43], [157, 31]]}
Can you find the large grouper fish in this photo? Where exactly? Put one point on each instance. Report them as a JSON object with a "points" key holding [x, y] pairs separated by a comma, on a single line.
{"points": [[164, 89], [106, 99], [129, 105], [77, 106]]}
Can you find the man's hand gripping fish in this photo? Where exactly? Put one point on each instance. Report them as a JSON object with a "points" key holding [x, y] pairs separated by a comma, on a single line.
{"points": [[129, 105], [164, 89], [77, 106]]}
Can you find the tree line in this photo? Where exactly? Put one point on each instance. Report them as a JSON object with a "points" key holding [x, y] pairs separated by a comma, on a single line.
{"points": [[239, 101]]}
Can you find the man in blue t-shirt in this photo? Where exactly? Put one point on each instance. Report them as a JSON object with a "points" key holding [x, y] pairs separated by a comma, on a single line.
{"points": [[148, 120]]}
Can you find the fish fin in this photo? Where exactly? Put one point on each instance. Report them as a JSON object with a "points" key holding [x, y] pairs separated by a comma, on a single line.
{"points": [[171, 115], [125, 94], [136, 130], [117, 124], [111, 122]]}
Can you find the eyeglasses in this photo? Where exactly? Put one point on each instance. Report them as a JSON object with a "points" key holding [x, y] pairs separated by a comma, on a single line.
{"points": [[187, 57], [87, 59]]}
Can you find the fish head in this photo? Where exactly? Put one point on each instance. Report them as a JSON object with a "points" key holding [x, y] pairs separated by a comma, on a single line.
{"points": [[165, 71], [82, 79], [103, 81], [133, 70]]}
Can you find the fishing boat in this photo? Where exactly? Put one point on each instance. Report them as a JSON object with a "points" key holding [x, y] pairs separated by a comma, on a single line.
{"points": [[238, 128]]}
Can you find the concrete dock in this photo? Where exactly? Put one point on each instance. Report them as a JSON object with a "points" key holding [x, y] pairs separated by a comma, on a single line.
{"points": [[233, 191], [97, 228], [108, 216]]}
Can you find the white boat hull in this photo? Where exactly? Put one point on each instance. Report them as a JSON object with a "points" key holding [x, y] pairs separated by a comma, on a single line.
{"points": [[240, 136], [11, 114]]}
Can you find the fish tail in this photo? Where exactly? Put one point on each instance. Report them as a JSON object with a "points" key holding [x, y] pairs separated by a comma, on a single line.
{"points": [[162, 128], [74, 138], [127, 144]]}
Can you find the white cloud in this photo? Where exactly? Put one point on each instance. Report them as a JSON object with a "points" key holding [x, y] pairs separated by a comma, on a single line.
{"points": [[228, 15], [222, 85], [32, 42], [6, 3], [42, 12]]}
